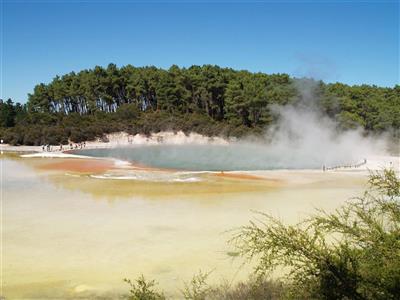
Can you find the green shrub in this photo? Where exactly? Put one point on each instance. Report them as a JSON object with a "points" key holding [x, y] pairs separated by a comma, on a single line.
{"points": [[254, 288], [353, 253], [141, 289], [33, 136], [197, 288]]}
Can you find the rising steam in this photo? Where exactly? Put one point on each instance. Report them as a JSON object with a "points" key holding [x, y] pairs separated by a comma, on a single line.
{"points": [[302, 138]]}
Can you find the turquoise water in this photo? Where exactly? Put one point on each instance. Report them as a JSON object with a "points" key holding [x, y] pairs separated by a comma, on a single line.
{"points": [[206, 157]]}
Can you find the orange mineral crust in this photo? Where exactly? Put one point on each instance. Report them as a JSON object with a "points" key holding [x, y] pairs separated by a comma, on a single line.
{"points": [[80, 165]]}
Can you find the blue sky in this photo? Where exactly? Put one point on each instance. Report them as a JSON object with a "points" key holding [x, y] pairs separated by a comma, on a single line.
{"points": [[353, 42]]}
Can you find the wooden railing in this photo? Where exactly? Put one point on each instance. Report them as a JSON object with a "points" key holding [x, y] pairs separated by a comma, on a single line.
{"points": [[344, 166]]}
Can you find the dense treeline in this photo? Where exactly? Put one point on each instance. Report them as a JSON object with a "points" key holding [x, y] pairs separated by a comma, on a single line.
{"points": [[207, 99]]}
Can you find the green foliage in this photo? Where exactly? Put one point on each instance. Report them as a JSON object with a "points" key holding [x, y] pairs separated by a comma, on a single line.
{"points": [[128, 112], [141, 289], [353, 253], [197, 288], [7, 113], [386, 183], [349, 120], [214, 100], [254, 288]]}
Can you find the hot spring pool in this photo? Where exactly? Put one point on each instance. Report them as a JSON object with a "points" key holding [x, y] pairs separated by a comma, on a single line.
{"points": [[236, 157]]}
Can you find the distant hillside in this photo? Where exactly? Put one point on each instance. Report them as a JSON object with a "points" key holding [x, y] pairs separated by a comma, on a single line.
{"points": [[205, 99]]}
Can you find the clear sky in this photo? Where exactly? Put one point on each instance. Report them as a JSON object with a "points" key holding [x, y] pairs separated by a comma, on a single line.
{"points": [[353, 42]]}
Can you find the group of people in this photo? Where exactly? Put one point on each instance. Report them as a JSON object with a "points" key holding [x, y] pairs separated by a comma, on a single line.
{"points": [[47, 148], [77, 145], [72, 146]]}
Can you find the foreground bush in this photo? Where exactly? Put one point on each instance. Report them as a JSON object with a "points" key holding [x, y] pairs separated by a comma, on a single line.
{"points": [[198, 289], [353, 253], [141, 289]]}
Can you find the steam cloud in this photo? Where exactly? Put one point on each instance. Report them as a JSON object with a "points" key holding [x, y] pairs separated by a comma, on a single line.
{"points": [[302, 138]]}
